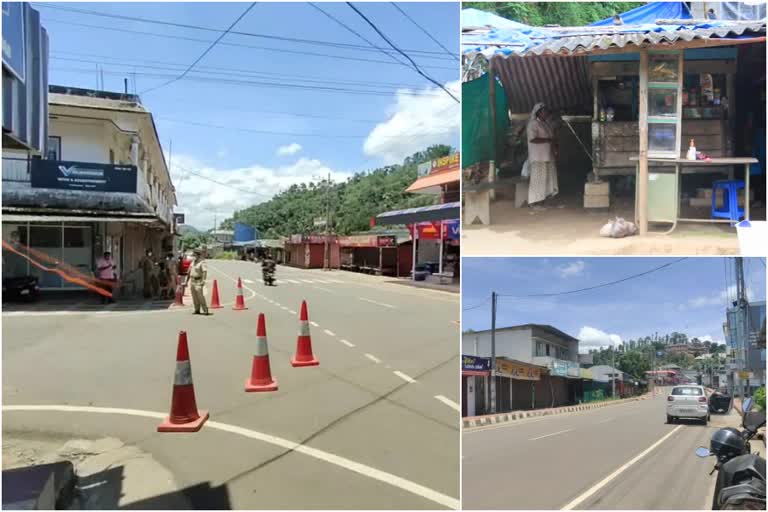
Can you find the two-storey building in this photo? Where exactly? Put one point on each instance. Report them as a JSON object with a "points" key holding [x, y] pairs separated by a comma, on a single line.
{"points": [[536, 367], [100, 184]]}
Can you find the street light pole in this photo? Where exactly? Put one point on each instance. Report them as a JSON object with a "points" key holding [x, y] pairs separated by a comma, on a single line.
{"points": [[493, 352]]}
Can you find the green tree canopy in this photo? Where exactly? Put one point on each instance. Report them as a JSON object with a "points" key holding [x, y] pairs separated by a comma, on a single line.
{"points": [[565, 14]]}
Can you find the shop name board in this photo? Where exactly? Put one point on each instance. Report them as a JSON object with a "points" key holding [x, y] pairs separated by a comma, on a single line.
{"points": [[517, 371], [386, 241], [438, 165], [451, 230], [83, 176], [474, 363], [561, 368], [311, 239], [14, 49], [585, 373]]}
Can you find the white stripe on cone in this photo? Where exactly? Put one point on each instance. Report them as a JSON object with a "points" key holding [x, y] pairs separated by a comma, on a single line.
{"points": [[261, 346], [303, 328], [183, 376]]}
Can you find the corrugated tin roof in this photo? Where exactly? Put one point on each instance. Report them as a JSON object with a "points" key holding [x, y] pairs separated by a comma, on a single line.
{"points": [[579, 40]]}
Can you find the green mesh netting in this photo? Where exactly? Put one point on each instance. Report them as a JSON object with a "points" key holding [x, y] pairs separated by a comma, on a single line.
{"points": [[476, 144]]}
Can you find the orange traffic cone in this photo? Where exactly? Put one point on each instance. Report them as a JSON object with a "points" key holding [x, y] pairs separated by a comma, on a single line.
{"points": [[239, 301], [184, 415], [261, 376], [215, 304], [179, 292], [304, 355]]}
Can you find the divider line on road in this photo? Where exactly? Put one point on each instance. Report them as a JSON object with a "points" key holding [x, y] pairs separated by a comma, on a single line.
{"points": [[314, 324], [373, 358], [605, 481], [450, 403], [405, 377], [348, 464], [329, 333], [382, 304], [345, 342], [550, 435]]}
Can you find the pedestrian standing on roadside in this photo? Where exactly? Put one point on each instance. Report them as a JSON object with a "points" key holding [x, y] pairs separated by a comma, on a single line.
{"points": [[106, 270], [149, 274], [198, 274]]}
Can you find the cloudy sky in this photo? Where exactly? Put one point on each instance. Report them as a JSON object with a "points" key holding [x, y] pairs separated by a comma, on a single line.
{"points": [[264, 113], [689, 296]]}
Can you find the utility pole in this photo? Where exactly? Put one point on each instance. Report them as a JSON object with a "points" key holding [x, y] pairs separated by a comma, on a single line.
{"points": [[327, 253], [493, 352], [613, 372], [742, 334]]}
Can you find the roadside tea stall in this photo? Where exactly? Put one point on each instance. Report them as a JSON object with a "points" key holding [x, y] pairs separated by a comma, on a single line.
{"points": [[628, 98]]}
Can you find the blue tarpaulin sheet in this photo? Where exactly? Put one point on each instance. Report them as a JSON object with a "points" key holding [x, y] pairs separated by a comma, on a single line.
{"points": [[649, 13]]}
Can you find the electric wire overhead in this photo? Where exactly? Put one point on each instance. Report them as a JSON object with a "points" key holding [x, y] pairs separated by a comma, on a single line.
{"points": [[426, 32], [401, 52], [210, 47]]}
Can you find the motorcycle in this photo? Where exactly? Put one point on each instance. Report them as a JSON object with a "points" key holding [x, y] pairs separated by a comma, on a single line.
{"points": [[268, 274], [21, 288], [740, 481]]}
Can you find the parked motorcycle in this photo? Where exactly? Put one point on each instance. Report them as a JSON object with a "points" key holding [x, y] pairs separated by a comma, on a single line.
{"points": [[741, 474], [21, 288]]}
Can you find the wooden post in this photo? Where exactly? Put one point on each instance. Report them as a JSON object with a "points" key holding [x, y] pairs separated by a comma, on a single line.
{"points": [[492, 97], [641, 205]]}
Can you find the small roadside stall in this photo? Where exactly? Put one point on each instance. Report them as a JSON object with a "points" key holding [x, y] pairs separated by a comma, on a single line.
{"points": [[627, 101], [308, 251], [370, 254]]}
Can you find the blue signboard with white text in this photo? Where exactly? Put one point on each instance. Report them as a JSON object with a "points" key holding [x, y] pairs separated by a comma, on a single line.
{"points": [[14, 49], [474, 363]]}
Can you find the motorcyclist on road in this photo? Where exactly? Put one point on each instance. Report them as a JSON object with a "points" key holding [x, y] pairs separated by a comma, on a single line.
{"points": [[268, 268]]}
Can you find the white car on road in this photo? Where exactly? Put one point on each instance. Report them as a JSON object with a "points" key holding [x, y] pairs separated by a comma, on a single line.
{"points": [[688, 401]]}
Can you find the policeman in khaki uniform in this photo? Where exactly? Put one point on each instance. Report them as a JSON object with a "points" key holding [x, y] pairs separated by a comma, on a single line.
{"points": [[198, 275]]}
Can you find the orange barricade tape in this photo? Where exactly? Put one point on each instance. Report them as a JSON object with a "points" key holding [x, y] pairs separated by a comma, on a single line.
{"points": [[82, 281]]}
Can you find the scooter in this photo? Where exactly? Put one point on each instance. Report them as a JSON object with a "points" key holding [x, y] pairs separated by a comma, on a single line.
{"points": [[267, 275], [740, 481], [21, 288]]}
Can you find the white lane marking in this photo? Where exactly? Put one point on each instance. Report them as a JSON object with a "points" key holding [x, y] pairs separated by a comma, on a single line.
{"points": [[314, 324], [606, 420], [284, 308], [356, 467], [373, 358], [329, 333], [307, 281], [292, 312], [450, 403], [292, 281], [326, 290], [550, 435], [475, 430], [335, 281], [248, 281], [405, 377], [351, 345], [382, 304], [322, 281], [602, 483]]}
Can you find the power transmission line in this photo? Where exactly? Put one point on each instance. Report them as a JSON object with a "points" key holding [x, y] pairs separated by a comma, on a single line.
{"points": [[603, 285], [237, 45], [426, 32], [476, 305], [314, 42], [210, 47], [243, 191], [401, 52], [358, 34]]}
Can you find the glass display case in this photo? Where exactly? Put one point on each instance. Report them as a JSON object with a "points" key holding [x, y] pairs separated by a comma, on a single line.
{"points": [[665, 81]]}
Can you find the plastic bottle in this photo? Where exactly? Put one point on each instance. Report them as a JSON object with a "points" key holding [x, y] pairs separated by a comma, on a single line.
{"points": [[691, 155]]}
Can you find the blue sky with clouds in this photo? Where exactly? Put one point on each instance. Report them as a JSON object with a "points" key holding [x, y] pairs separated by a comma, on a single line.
{"points": [[384, 112], [689, 296]]}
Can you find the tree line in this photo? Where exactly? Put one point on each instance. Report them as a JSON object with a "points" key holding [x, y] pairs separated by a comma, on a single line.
{"points": [[565, 14], [351, 203]]}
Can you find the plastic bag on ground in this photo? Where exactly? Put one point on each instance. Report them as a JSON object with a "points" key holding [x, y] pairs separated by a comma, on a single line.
{"points": [[618, 228]]}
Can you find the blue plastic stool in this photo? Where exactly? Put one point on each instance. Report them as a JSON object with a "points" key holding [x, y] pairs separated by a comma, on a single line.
{"points": [[730, 209]]}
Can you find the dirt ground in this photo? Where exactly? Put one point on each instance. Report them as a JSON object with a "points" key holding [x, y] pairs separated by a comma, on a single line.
{"points": [[563, 227]]}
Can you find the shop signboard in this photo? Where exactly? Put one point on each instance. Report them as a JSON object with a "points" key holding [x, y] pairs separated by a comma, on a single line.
{"points": [[517, 371], [573, 370], [475, 363], [14, 49], [82, 176], [585, 373], [358, 241], [296, 239], [387, 241], [178, 219], [431, 230], [424, 169], [451, 230], [558, 368], [446, 163]]}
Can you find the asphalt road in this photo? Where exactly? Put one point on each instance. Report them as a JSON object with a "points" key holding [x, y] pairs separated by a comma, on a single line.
{"points": [[565, 461], [376, 425]]}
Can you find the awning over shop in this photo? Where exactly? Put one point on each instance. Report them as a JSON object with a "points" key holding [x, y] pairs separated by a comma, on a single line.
{"points": [[431, 184], [77, 218], [445, 211]]}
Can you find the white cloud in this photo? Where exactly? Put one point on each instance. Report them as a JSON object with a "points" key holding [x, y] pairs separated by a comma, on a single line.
{"points": [[290, 149], [571, 269], [204, 201], [418, 119], [719, 299], [591, 338], [222, 153]]}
